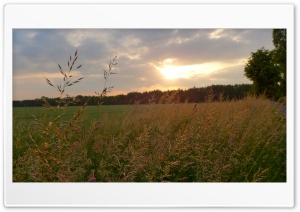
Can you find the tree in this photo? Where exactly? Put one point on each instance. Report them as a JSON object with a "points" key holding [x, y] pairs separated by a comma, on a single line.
{"points": [[264, 73], [279, 41]]}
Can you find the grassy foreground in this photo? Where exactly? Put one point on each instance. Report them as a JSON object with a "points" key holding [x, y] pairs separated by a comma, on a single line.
{"points": [[238, 141]]}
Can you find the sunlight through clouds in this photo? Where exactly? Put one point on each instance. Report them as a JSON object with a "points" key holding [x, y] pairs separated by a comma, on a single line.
{"points": [[147, 58], [172, 71], [42, 75]]}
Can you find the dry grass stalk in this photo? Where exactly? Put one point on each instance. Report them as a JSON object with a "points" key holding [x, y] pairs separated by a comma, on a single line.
{"points": [[67, 81], [91, 177], [106, 75]]}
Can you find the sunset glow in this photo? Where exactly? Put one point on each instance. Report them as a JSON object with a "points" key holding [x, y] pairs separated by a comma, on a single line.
{"points": [[171, 71], [147, 59]]}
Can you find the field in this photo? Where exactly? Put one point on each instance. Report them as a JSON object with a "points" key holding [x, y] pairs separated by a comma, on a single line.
{"points": [[26, 113], [228, 141]]}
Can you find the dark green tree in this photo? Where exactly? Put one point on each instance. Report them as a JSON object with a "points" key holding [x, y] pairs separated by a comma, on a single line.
{"points": [[264, 72], [279, 41]]}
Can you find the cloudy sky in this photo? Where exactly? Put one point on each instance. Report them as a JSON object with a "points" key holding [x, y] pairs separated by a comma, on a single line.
{"points": [[147, 59]]}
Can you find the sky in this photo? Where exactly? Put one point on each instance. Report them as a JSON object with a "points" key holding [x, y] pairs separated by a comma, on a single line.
{"points": [[147, 59]]}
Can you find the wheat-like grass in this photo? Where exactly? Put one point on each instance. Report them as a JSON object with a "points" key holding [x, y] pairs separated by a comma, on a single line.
{"points": [[237, 141]]}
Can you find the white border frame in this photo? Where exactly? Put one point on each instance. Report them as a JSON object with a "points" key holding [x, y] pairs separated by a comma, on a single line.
{"points": [[147, 16]]}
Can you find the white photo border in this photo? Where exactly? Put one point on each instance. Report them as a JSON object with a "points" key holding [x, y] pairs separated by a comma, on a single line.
{"points": [[147, 16]]}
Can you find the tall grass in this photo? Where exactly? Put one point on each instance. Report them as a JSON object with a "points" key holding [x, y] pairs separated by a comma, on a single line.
{"points": [[50, 136], [237, 141]]}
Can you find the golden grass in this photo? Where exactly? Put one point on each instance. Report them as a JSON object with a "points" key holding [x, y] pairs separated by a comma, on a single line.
{"points": [[238, 141]]}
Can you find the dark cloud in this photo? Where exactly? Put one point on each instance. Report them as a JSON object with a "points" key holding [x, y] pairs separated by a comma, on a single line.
{"points": [[38, 50], [201, 48]]}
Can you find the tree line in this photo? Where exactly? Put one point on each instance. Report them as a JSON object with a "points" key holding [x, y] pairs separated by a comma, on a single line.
{"points": [[191, 95]]}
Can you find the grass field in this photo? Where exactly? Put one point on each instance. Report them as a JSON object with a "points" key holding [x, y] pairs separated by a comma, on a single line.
{"points": [[24, 113], [231, 141]]}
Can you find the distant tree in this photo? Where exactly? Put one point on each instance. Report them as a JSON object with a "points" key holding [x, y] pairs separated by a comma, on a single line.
{"points": [[264, 72], [191, 95], [279, 41]]}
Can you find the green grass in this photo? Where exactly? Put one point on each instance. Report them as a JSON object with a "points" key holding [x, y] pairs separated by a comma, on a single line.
{"points": [[238, 141], [26, 113]]}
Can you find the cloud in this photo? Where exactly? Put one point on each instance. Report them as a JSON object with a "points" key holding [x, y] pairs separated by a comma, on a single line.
{"points": [[199, 48], [199, 57], [44, 75]]}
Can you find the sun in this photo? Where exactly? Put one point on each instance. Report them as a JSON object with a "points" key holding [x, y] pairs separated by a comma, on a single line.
{"points": [[173, 71]]}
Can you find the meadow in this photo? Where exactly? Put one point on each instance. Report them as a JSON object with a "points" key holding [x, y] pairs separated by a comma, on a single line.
{"points": [[28, 113], [220, 141]]}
